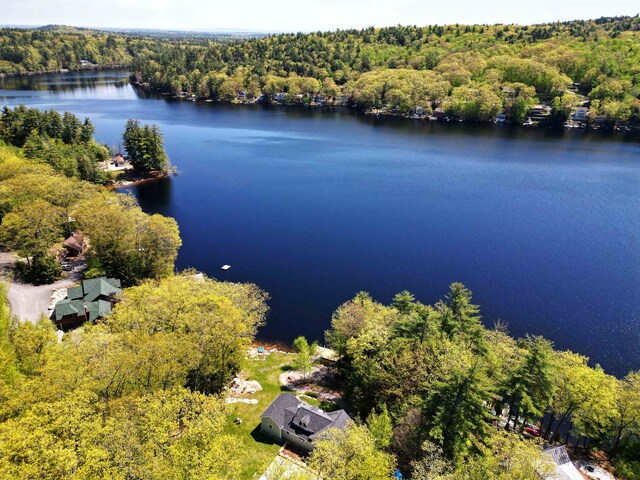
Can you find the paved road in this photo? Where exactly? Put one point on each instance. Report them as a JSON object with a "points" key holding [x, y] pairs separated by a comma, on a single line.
{"points": [[29, 302]]}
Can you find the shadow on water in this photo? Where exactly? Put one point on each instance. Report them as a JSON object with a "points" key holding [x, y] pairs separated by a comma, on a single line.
{"points": [[156, 194]]}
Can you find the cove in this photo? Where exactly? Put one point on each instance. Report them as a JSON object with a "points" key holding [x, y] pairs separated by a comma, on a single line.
{"points": [[314, 206]]}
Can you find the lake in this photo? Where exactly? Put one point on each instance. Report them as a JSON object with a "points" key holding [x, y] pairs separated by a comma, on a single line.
{"points": [[313, 206]]}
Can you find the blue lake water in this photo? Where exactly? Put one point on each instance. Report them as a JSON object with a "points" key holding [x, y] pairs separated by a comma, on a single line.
{"points": [[314, 206]]}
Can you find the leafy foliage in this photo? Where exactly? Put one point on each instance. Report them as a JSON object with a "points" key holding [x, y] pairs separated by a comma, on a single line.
{"points": [[443, 378], [62, 141], [39, 208], [350, 454], [118, 399]]}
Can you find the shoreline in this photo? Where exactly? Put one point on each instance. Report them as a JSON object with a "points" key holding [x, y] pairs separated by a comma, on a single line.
{"points": [[63, 71], [630, 129], [138, 179]]}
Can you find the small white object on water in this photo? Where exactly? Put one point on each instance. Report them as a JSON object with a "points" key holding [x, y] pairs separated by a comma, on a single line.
{"points": [[226, 267]]}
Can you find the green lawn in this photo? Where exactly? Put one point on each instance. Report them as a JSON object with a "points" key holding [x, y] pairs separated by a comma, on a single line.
{"points": [[258, 451]]}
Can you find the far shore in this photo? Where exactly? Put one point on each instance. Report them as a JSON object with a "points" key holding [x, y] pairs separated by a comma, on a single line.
{"points": [[64, 70]]}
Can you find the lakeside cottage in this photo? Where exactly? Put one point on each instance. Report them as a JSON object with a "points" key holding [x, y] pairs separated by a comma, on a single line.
{"points": [[87, 302], [75, 245], [118, 160], [580, 114], [289, 419]]}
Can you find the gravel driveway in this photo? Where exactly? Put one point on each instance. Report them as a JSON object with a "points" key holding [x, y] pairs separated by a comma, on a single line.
{"points": [[29, 302]]}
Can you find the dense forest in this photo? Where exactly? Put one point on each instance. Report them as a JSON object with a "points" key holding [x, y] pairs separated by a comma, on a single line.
{"points": [[48, 190], [63, 141], [442, 379], [468, 72]]}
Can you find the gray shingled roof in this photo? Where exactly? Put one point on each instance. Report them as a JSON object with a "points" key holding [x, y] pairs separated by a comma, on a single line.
{"points": [[295, 416], [277, 410]]}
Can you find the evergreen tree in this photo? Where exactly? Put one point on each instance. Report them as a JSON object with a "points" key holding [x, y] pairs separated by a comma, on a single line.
{"points": [[87, 131], [458, 412], [529, 389], [460, 317], [145, 148], [71, 128], [403, 301]]}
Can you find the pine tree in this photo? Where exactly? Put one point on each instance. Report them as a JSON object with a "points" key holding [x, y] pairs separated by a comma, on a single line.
{"points": [[529, 389], [144, 145], [459, 413], [460, 317]]}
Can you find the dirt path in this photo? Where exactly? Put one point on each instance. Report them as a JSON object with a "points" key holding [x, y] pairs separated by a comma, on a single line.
{"points": [[29, 302]]}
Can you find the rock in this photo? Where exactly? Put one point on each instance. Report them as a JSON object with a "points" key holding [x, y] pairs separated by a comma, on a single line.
{"points": [[251, 386], [249, 401]]}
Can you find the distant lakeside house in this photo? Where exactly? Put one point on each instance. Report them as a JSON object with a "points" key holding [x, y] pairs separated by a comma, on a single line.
{"points": [[289, 419], [87, 302]]}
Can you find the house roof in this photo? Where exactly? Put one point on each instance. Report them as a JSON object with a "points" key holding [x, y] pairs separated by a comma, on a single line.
{"points": [[75, 241], [100, 287], [276, 411], [309, 419], [68, 307], [75, 293], [93, 294], [295, 416], [75, 308]]}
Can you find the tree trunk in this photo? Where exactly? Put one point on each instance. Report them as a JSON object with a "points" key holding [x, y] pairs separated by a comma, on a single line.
{"points": [[616, 445], [547, 431]]}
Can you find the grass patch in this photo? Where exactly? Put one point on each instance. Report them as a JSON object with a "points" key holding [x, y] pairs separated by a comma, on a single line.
{"points": [[258, 450]]}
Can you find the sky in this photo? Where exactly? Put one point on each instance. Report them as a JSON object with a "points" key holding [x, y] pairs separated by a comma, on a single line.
{"points": [[299, 15]]}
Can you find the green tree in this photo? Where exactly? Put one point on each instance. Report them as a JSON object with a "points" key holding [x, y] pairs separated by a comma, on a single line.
{"points": [[305, 355], [72, 128], [30, 230], [529, 388], [87, 131], [581, 393], [145, 148], [460, 318], [459, 416], [128, 243], [350, 454], [187, 330], [380, 427], [508, 456], [627, 409], [403, 302]]}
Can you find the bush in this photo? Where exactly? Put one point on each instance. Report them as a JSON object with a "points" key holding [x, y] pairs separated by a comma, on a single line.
{"points": [[44, 269], [627, 469], [94, 268]]}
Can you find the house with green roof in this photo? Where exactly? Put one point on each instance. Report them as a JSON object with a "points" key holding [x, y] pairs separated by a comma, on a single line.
{"points": [[87, 302]]}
